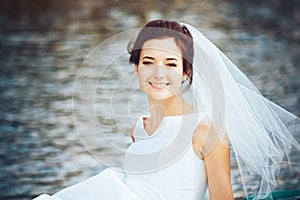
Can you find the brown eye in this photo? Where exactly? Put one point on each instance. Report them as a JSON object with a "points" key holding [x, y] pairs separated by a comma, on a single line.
{"points": [[147, 63], [172, 65]]}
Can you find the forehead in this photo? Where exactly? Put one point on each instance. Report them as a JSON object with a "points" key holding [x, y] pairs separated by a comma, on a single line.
{"points": [[165, 46]]}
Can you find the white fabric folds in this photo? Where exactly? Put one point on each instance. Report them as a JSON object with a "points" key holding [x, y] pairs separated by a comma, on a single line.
{"points": [[259, 131]]}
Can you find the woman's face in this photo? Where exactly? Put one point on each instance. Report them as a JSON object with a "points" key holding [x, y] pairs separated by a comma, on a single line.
{"points": [[160, 69]]}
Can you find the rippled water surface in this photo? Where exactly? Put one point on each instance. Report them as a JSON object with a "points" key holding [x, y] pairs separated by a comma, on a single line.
{"points": [[42, 48]]}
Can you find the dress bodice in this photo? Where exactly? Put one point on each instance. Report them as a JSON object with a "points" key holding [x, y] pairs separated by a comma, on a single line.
{"points": [[162, 166], [165, 162]]}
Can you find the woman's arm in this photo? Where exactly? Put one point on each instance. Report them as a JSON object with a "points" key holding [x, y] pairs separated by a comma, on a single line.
{"points": [[132, 133], [216, 156]]}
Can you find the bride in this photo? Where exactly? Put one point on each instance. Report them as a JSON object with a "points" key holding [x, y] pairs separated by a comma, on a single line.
{"points": [[182, 149]]}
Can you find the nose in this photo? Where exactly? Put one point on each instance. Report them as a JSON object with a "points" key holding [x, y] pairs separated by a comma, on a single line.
{"points": [[159, 72]]}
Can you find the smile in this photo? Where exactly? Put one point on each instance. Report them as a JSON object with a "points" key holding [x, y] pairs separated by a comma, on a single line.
{"points": [[158, 85]]}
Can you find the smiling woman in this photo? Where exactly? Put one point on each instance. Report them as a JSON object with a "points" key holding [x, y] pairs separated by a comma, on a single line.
{"points": [[161, 68], [161, 73], [182, 151]]}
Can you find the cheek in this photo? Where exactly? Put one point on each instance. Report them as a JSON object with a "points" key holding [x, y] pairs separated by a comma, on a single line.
{"points": [[145, 71], [176, 74], [144, 74]]}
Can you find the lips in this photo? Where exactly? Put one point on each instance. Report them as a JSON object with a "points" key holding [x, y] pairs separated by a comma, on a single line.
{"points": [[158, 85]]}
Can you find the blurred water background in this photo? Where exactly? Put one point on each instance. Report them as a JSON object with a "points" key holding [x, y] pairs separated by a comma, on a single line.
{"points": [[44, 42]]}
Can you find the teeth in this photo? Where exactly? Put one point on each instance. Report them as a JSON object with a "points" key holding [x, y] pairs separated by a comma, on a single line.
{"points": [[159, 85]]}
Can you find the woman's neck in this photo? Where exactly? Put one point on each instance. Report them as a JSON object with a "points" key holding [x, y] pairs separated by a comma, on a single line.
{"points": [[167, 107]]}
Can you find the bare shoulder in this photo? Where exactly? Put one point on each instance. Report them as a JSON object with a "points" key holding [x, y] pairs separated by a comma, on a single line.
{"points": [[205, 140], [198, 139]]}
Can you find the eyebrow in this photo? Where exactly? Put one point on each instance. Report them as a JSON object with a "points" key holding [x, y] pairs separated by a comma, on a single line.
{"points": [[172, 59], [151, 58], [148, 57]]}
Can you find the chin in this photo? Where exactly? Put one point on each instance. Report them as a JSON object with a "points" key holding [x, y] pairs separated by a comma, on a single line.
{"points": [[159, 98], [162, 97]]}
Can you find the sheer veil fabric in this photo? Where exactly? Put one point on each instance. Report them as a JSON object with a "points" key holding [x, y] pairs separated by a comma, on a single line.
{"points": [[260, 132]]}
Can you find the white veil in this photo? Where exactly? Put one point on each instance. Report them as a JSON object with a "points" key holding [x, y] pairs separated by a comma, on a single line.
{"points": [[260, 132]]}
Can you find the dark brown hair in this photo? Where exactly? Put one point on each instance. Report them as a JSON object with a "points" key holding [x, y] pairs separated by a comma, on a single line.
{"points": [[159, 29]]}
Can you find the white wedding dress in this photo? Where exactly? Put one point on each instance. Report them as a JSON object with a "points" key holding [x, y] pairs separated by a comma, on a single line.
{"points": [[161, 166]]}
